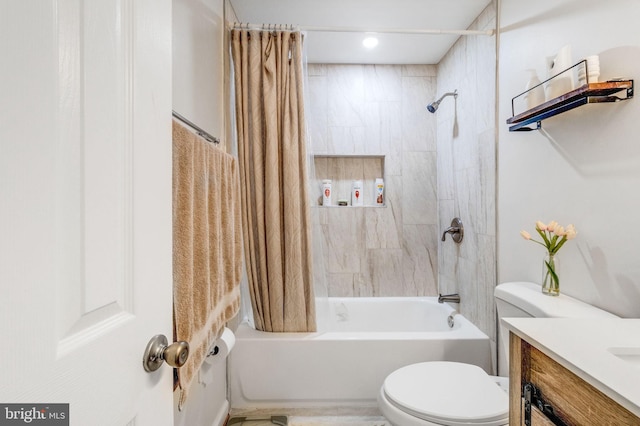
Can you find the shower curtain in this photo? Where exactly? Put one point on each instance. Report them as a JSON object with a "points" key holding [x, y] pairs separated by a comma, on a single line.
{"points": [[270, 126]]}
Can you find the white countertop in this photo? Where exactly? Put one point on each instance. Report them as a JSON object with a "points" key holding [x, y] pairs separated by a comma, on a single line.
{"points": [[583, 346]]}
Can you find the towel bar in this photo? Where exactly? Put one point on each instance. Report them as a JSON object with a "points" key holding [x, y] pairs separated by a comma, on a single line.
{"points": [[198, 129]]}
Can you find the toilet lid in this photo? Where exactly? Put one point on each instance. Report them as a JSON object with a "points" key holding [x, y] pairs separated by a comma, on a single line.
{"points": [[448, 393]]}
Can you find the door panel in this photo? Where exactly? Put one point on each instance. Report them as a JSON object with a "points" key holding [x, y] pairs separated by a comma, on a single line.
{"points": [[96, 138], [85, 179]]}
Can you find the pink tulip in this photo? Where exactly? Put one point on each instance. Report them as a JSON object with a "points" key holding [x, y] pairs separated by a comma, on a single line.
{"points": [[559, 231]]}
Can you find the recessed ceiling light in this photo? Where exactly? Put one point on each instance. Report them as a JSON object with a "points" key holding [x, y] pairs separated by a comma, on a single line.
{"points": [[370, 42]]}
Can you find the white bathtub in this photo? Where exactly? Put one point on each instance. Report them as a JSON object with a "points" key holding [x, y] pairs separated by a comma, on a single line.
{"points": [[359, 342]]}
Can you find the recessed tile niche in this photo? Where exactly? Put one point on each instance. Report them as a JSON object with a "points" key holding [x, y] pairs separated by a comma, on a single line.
{"points": [[343, 170]]}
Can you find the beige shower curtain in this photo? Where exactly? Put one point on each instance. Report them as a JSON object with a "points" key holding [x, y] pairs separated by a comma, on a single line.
{"points": [[268, 80]]}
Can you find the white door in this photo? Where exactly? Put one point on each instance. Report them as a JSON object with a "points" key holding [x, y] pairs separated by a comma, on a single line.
{"points": [[85, 206]]}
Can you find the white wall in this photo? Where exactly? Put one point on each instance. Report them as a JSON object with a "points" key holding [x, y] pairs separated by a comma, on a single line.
{"points": [[198, 65], [207, 403], [199, 95], [585, 169]]}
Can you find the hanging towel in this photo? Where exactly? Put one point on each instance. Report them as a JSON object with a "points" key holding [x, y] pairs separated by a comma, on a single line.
{"points": [[207, 246]]}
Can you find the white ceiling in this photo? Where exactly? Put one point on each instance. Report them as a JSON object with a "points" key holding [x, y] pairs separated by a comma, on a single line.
{"points": [[367, 15]]}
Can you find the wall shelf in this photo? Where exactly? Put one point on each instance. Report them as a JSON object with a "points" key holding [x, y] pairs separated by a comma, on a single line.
{"points": [[342, 170], [604, 92]]}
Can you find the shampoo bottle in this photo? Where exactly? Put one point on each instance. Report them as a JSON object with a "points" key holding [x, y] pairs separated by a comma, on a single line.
{"points": [[326, 192], [356, 193], [379, 195]]}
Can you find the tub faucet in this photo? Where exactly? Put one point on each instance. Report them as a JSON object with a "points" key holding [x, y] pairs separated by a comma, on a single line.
{"points": [[453, 298]]}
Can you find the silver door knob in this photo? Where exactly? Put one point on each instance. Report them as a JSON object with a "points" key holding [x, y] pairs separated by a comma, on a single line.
{"points": [[158, 350]]}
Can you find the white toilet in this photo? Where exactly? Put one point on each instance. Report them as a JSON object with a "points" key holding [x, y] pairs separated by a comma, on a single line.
{"points": [[442, 393]]}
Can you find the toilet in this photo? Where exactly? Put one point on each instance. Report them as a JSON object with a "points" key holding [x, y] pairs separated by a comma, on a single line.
{"points": [[440, 393]]}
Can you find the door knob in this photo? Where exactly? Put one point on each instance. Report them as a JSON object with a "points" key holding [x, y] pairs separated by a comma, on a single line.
{"points": [[158, 350]]}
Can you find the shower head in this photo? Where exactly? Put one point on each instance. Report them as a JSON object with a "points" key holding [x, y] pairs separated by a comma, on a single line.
{"points": [[433, 106]]}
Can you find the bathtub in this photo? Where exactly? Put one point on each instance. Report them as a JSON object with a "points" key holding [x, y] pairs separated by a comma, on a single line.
{"points": [[358, 343]]}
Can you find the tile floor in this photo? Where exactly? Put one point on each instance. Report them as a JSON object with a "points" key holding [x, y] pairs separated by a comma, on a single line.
{"points": [[319, 421], [363, 416], [338, 421]]}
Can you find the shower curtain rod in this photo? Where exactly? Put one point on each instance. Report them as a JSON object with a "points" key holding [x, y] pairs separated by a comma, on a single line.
{"points": [[358, 30]]}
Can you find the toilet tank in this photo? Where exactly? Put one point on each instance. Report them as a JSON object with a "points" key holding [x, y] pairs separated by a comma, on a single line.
{"points": [[525, 299]]}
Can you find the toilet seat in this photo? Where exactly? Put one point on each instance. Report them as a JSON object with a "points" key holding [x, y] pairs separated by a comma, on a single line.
{"points": [[447, 393]]}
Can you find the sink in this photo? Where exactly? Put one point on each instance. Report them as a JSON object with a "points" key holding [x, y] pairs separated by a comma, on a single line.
{"points": [[630, 355]]}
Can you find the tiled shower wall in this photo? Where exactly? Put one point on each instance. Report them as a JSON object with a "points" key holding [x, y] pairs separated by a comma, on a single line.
{"points": [[436, 167], [467, 172], [376, 110]]}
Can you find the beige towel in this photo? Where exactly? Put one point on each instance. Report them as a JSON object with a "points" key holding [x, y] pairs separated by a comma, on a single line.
{"points": [[207, 246]]}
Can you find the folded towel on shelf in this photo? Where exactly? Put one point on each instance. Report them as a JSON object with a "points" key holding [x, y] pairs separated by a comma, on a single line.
{"points": [[207, 246]]}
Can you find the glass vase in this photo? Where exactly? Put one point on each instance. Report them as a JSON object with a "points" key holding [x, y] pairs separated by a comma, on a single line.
{"points": [[550, 275]]}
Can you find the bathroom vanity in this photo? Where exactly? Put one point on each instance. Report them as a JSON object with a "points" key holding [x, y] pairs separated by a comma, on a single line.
{"points": [[567, 371]]}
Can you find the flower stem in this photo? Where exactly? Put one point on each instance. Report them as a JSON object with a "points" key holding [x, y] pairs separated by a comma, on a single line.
{"points": [[551, 281]]}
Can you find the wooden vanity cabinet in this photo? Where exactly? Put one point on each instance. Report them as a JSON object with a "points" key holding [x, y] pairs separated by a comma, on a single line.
{"points": [[574, 402]]}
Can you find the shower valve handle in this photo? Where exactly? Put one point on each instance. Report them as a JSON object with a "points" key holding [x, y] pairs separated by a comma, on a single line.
{"points": [[456, 230]]}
